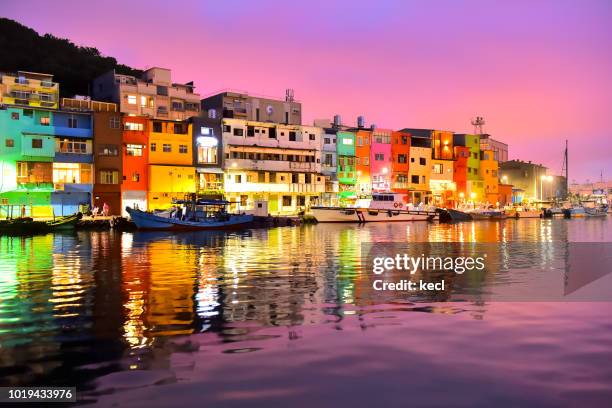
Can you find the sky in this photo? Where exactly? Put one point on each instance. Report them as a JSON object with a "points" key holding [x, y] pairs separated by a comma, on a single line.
{"points": [[538, 71]]}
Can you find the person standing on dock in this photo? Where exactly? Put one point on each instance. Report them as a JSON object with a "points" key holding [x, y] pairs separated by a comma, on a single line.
{"points": [[105, 209]]}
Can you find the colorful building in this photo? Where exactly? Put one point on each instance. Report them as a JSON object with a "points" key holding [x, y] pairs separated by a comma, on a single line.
{"points": [[208, 157], [135, 158], [271, 164], [442, 181], [329, 166], [29, 89], [420, 170], [460, 166], [489, 169], [363, 157], [153, 95], [474, 182], [400, 158], [349, 167], [380, 160], [171, 173]]}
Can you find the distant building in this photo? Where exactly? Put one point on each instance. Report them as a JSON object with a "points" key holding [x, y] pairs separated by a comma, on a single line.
{"points": [[30, 89], [241, 105], [475, 191], [499, 149], [529, 180], [153, 95]]}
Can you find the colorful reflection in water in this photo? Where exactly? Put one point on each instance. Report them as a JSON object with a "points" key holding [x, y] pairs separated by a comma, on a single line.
{"points": [[91, 308]]}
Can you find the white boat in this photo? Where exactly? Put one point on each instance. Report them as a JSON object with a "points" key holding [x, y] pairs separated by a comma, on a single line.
{"points": [[380, 207]]}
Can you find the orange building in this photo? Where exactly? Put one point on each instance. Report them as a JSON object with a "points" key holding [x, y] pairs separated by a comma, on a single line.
{"points": [[462, 153], [363, 141], [400, 153], [504, 194], [489, 170], [135, 159]]}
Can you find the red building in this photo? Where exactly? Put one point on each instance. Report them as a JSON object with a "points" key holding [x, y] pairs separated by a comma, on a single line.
{"points": [[400, 153], [135, 159], [460, 166]]}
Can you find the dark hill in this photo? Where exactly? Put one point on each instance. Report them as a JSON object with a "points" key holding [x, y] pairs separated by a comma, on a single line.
{"points": [[74, 67]]}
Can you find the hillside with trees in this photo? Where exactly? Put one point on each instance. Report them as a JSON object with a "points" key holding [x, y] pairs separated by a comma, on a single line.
{"points": [[73, 66]]}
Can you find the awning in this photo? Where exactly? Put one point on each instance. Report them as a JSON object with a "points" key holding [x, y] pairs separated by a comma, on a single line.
{"points": [[214, 170]]}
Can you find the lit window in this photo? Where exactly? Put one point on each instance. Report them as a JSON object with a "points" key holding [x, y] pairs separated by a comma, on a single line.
{"points": [[78, 173], [9, 143], [134, 126], [45, 121], [183, 149], [37, 143], [109, 177], [131, 99], [133, 149], [347, 141], [114, 122], [205, 131], [167, 148]]}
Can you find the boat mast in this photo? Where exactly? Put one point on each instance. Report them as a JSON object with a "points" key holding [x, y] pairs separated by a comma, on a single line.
{"points": [[565, 167]]}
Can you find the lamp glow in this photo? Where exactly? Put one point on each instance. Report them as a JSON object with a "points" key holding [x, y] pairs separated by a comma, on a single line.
{"points": [[207, 141]]}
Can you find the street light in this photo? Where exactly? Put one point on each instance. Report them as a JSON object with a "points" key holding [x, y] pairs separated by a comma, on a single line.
{"points": [[505, 179]]}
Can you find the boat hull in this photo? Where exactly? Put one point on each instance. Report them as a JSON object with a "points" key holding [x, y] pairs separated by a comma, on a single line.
{"points": [[528, 214], [359, 215], [148, 221]]}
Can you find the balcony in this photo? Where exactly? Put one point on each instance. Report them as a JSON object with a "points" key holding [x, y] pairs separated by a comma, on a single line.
{"points": [[275, 188]]}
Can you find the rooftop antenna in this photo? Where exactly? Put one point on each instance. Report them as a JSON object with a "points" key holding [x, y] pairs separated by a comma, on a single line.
{"points": [[478, 122], [289, 95]]}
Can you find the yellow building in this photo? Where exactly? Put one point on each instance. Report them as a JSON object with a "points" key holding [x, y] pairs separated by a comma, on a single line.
{"points": [[29, 89], [419, 171], [489, 168], [171, 171]]}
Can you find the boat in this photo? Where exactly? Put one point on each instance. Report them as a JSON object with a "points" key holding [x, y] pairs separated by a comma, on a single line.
{"points": [[450, 214], [487, 214], [596, 212], [524, 212], [190, 215], [379, 207], [576, 211], [27, 225]]}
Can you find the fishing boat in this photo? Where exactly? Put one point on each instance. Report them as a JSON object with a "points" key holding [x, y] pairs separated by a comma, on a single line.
{"points": [[27, 225], [379, 207], [596, 212], [191, 215], [576, 211], [524, 212], [487, 214], [452, 215]]}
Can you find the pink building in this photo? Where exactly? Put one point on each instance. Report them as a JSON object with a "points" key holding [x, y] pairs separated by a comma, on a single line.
{"points": [[381, 160]]}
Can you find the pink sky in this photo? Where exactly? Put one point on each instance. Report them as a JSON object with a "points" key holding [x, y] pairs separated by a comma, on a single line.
{"points": [[538, 71]]}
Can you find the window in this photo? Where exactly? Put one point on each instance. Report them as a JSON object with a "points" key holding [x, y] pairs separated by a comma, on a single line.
{"points": [[347, 141], [22, 169], [438, 168], [179, 129], [136, 177], [401, 158], [311, 136], [307, 178], [238, 132], [9, 143], [422, 161], [109, 177], [412, 160], [72, 123], [329, 160], [183, 149], [114, 122], [295, 178], [212, 113], [250, 131], [286, 201], [108, 150], [207, 154], [167, 148], [45, 120], [37, 143], [404, 140], [131, 99], [133, 149], [423, 180], [71, 146], [15, 115], [28, 112], [272, 133], [153, 147], [75, 173], [366, 161], [379, 157], [134, 126], [326, 140], [162, 90], [414, 179], [227, 128], [238, 178], [359, 141], [177, 106], [243, 199], [292, 136], [157, 127]]}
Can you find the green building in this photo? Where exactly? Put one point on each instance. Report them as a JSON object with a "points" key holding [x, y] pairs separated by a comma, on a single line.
{"points": [[346, 171]]}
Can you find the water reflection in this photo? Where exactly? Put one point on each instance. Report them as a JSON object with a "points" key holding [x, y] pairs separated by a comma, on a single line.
{"points": [[74, 308]]}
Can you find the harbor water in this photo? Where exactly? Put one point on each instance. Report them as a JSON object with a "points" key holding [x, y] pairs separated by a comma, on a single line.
{"points": [[282, 317]]}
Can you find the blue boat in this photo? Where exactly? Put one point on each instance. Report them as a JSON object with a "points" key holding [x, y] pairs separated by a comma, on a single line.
{"points": [[189, 215]]}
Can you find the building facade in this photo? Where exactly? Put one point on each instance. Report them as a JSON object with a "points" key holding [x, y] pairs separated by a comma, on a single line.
{"points": [[442, 181], [153, 95], [489, 168], [29, 89], [400, 158], [499, 149], [420, 170], [135, 159], [348, 165], [271, 164], [381, 160]]}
